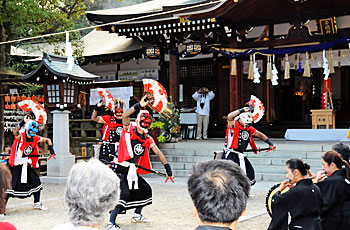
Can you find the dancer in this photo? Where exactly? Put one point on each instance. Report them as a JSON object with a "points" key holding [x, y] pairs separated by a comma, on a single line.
{"points": [[112, 129], [238, 134], [134, 148], [24, 156]]}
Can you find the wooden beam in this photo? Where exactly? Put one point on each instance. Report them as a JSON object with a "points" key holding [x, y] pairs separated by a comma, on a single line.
{"points": [[174, 77], [290, 41]]}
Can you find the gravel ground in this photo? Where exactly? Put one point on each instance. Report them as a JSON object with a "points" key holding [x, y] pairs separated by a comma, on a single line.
{"points": [[171, 209]]}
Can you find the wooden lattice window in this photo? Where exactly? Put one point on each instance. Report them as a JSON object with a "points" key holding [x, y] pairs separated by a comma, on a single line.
{"points": [[68, 92], [53, 93]]}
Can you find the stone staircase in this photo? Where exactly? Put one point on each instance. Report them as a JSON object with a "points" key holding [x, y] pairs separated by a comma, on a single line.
{"points": [[269, 166]]}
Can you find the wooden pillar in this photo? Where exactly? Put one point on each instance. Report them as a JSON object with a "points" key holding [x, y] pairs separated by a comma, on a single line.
{"points": [[240, 83], [268, 95], [174, 78], [2, 107], [223, 94], [234, 86]]}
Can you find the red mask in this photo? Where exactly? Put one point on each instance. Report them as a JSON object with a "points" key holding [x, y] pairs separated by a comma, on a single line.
{"points": [[145, 120], [118, 112]]}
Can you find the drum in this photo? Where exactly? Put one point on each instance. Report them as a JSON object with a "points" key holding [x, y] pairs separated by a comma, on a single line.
{"points": [[269, 195]]}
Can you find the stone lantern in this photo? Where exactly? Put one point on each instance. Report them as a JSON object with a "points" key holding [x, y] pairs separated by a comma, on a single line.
{"points": [[61, 86]]}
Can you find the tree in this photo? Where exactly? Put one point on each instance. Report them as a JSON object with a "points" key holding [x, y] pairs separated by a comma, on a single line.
{"points": [[27, 18]]}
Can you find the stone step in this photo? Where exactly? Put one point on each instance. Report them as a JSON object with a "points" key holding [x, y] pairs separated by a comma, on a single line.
{"points": [[286, 154], [270, 177], [277, 169], [217, 144], [182, 159], [269, 166], [174, 166]]}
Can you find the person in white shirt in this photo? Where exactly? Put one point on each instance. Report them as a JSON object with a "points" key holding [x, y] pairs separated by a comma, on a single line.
{"points": [[203, 97]]}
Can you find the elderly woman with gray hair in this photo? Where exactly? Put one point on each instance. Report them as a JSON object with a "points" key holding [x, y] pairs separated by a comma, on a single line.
{"points": [[92, 190]]}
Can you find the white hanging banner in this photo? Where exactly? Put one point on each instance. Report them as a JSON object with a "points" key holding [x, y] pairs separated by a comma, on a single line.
{"points": [[69, 53], [120, 92]]}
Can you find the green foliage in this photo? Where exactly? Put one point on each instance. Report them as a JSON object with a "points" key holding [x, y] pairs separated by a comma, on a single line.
{"points": [[28, 18], [161, 139], [172, 121], [33, 90], [156, 124], [155, 130], [19, 65]]}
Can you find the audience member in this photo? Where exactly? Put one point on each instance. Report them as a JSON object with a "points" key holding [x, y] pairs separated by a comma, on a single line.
{"points": [[343, 150], [219, 190], [5, 183], [303, 202], [203, 97], [92, 190], [334, 184], [7, 150]]}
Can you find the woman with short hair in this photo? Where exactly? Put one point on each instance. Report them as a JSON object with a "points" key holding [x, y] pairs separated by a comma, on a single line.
{"points": [[303, 201], [92, 190]]}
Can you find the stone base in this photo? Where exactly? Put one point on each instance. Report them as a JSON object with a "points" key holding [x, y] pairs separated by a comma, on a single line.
{"points": [[61, 166], [53, 180]]}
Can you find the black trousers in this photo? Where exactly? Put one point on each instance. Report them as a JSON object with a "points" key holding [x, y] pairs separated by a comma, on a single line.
{"points": [[249, 168]]}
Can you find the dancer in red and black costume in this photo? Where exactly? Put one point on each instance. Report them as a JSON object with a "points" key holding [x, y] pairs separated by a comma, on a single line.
{"points": [[111, 130], [134, 149], [239, 133], [25, 181]]}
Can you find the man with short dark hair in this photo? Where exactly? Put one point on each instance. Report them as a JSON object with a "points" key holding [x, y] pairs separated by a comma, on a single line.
{"points": [[343, 150], [219, 190]]}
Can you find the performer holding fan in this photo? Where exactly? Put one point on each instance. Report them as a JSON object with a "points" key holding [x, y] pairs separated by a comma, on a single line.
{"points": [[134, 149], [25, 154], [113, 126], [239, 133]]}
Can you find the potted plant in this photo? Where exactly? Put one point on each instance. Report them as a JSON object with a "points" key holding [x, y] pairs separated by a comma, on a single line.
{"points": [[156, 130], [171, 122]]}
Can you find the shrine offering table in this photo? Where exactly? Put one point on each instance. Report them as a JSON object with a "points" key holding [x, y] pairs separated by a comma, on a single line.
{"points": [[323, 117]]}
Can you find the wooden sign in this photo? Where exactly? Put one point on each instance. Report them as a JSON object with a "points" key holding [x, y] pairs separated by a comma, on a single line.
{"points": [[327, 26]]}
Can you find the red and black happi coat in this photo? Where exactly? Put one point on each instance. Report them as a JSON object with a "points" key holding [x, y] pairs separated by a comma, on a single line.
{"points": [[111, 124], [241, 136], [135, 148], [27, 146]]}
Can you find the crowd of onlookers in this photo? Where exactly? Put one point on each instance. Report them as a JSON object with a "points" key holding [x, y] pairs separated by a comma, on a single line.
{"points": [[219, 191]]}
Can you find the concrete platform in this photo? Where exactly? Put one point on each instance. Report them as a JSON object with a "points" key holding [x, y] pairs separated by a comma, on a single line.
{"points": [[317, 134]]}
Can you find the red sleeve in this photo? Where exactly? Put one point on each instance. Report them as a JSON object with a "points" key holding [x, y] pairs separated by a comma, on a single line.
{"points": [[252, 130], [106, 119], [7, 226]]}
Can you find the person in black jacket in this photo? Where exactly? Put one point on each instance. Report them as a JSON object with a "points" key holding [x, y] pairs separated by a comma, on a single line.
{"points": [[334, 184], [303, 201]]}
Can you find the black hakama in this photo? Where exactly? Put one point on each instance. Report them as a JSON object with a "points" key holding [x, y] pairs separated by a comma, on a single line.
{"points": [[109, 149], [23, 190], [132, 198], [231, 155]]}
